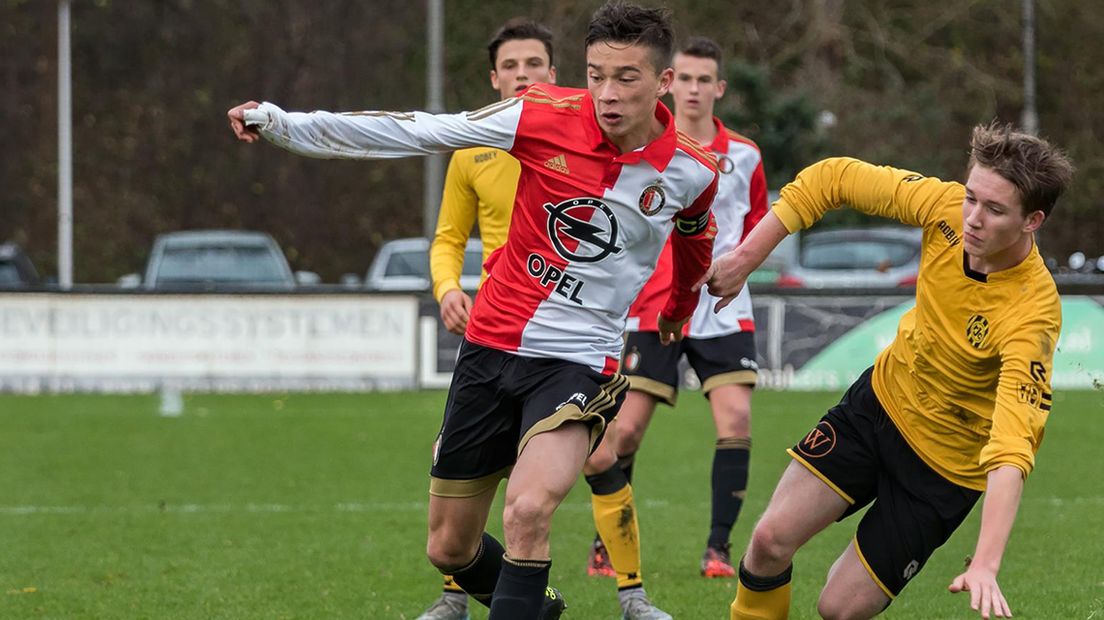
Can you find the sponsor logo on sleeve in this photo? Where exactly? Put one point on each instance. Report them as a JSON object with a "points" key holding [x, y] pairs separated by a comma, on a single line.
{"points": [[819, 442], [948, 233]]}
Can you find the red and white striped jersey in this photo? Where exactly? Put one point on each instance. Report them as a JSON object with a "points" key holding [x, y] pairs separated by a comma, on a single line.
{"points": [[741, 202], [588, 224]]}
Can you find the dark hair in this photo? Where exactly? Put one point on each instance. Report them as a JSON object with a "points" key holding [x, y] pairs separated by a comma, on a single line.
{"points": [[517, 29], [1040, 171], [623, 22], [702, 47]]}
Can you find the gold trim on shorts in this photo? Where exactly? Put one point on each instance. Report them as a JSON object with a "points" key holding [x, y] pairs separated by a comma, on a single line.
{"points": [[822, 477], [736, 377], [866, 565], [445, 487], [657, 389], [606, 398]]}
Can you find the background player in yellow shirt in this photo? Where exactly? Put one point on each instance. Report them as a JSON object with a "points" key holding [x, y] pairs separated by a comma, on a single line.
{"points": [[954, 407], [720, 347], [480, 187]]}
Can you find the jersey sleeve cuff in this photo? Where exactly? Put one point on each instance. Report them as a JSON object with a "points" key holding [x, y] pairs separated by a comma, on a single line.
{"points": [[257, 117], [444, 286], [789, 217], [1023, 465]]}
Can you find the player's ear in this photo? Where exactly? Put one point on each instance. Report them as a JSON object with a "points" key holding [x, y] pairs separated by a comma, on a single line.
{"points": [[721, 86], [552, 74], [1033, 221], [666, 78], [494, 79]]}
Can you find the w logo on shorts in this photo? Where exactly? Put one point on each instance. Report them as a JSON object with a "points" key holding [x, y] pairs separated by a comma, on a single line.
{"points": [[819, 441]]}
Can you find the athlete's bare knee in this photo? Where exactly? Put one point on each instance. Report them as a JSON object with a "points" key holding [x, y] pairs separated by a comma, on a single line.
{"points": [[449, 553], [527, 517], [629, 436], [768, 547], [838, 610], [602, 459], [836, 604]]}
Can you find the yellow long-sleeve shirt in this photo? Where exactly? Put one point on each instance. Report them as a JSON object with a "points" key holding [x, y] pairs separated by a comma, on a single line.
{"points": [[480, 185], [967, 378]]}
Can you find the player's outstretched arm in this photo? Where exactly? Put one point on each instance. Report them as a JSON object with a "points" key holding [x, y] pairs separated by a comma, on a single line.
{"points": [[379, 134], [727, 274], [998, 513]]}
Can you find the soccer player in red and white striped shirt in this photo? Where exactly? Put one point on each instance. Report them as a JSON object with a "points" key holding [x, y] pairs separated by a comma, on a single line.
{"points": [[605, 180]]}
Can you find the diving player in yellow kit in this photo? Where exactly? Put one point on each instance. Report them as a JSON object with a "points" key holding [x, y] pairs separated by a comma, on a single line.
{"points": [[954, 407]]}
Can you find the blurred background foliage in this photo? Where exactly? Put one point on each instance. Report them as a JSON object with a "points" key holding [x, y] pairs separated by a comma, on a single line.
{"points": [[899, 82]]}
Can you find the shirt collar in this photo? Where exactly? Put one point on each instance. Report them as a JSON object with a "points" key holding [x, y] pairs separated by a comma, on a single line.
{"points": [[658, 152], [720, 143]]}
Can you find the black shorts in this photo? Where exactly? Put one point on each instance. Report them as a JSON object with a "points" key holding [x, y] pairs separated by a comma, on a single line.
{"points": [[653, 368], [857, 450], [498, 401]]}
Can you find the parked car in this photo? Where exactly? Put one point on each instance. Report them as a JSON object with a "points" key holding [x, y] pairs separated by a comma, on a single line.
{"points": [[217, 259], [16, 270], [879, 257], [403, 265]]}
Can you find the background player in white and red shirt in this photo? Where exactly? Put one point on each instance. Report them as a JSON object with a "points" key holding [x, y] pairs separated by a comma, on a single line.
{"points": [[720, 347], [605, 179]]}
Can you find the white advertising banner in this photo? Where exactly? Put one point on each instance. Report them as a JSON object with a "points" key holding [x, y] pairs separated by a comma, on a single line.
{"points": [[211, 341]]}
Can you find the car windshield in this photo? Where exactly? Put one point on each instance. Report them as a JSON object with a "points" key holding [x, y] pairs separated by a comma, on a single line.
{"points": [[473, 262], [407, 263], [220, 264], [9, 274], [838, 254]]}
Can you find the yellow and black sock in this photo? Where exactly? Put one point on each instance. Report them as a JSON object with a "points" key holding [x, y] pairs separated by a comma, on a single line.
{"points": [[615, 518], [762, 598], [626, 463], [730, 476], [450, 585], [479, 577], [520, 589]]}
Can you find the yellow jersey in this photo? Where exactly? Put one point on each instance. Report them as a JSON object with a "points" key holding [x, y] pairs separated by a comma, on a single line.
{"points": [[480, 185], [966, 380]]}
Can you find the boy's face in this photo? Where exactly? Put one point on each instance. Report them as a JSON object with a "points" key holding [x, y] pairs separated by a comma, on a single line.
{"points": [[696, 87], [993, 218], [625, 85], [519, 64]]}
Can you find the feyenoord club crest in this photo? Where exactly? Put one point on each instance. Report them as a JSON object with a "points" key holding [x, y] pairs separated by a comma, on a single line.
{"points": [[632, 360], [652, 199], [725, 165]]}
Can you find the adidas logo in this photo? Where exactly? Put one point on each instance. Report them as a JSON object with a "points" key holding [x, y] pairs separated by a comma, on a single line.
{"points": [[558, 163]]}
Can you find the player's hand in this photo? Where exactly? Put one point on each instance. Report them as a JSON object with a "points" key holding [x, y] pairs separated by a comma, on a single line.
{"points": [[237, 122], [670, 331], [985, 595], [725, 278], [455, 310]]}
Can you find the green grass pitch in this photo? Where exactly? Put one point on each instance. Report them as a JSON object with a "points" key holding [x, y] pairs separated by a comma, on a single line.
{"points": [[313, 506]]}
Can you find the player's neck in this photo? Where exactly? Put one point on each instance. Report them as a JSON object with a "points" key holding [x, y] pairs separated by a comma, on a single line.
{"points": [[1004, 259], [639, 138], [701, 128]]}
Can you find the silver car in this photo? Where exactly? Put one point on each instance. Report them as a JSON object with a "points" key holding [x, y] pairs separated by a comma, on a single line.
{"points": [[879, 257], [217, 260], [403, 265]]}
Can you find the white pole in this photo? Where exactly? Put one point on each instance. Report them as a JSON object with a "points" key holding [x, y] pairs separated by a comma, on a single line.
{"points": [[65, 152], [1030, 118], [434, 171]]}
